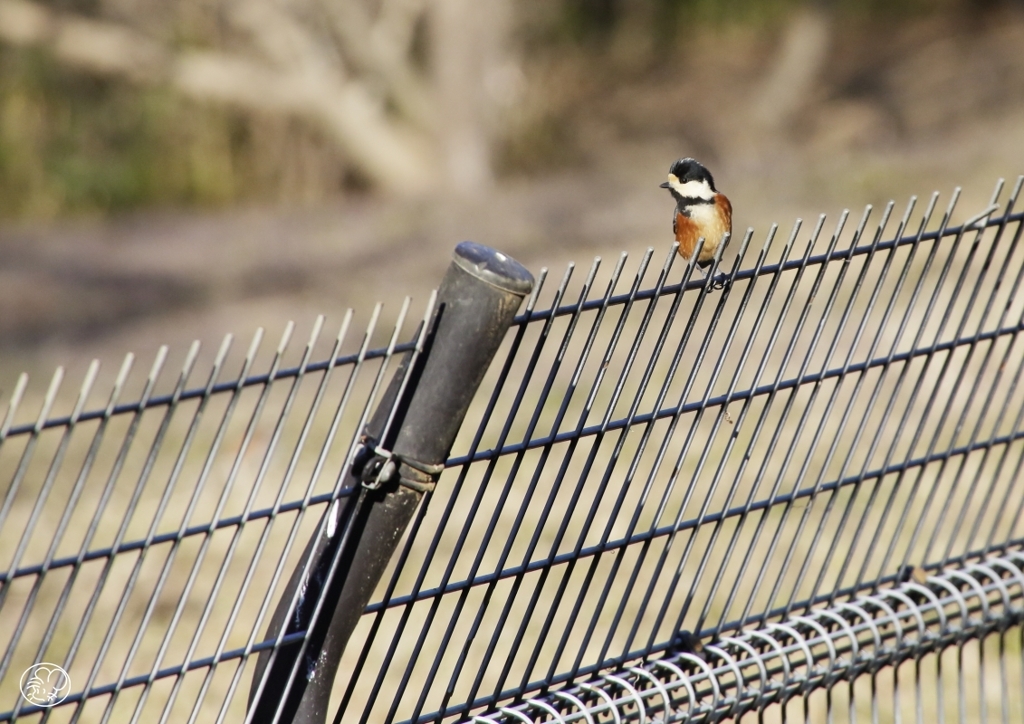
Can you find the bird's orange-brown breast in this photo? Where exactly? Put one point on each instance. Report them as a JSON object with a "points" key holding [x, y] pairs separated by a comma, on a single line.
{"points": [[687, 234], [713, 222]]}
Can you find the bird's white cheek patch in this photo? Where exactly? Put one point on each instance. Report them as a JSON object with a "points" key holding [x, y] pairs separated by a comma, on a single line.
{"points": [[691, 189]]}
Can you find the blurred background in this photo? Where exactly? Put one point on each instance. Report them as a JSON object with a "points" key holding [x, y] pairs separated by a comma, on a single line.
{"points": [[177, 169], [173, 170]]}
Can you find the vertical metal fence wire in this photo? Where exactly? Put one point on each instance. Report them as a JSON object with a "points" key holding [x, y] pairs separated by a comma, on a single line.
{"points": [[790, 490]]}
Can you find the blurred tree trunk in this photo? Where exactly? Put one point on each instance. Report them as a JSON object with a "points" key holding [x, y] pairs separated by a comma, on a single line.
{"points": [[799, 61], [468, 39], [348, 66]]}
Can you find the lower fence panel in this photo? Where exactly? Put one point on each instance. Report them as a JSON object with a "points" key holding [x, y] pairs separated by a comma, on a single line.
{"points": [[936, 647], [790, 490]]}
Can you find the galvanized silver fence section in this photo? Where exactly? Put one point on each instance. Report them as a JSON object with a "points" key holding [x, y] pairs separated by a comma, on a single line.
{"points": [[870, 635], [764, 494]]}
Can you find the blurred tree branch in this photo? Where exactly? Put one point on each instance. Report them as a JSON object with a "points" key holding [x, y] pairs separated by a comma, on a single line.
{"points": [[345, 65]]}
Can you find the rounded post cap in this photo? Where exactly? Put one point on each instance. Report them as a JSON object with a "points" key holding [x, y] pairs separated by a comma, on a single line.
{"points": [[493, 267]]}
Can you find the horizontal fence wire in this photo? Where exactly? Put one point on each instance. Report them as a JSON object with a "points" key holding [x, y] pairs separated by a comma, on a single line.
{"points": [[647, 455]]}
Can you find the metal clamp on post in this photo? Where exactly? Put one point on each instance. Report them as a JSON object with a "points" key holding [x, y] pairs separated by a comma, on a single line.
{"points": [[375, 466]]}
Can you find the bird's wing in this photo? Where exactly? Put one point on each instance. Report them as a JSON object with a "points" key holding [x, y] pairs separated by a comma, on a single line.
{"points": [[723, 201]]}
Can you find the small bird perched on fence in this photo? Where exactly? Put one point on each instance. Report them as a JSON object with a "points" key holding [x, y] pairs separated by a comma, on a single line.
{"points": [[701, 212]]}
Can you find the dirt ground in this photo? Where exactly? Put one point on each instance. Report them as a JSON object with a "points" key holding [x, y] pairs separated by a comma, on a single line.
{"points": [[929, 105]]}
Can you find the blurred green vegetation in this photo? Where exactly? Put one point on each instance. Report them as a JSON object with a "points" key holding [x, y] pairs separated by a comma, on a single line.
{"points": [[73, 143], [586, 20], [595, 20]]}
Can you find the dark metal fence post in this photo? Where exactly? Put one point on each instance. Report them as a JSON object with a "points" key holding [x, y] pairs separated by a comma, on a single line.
{"points": [[405, 445]]}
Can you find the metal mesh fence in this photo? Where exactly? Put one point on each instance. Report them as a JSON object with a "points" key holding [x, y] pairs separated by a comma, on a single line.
{"points": [[797, 495]]}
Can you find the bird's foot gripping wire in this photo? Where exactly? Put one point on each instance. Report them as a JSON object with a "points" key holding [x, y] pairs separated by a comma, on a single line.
{"points": [[721, 281], [718, 281]]}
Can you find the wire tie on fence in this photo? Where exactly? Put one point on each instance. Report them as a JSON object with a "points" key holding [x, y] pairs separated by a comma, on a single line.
{"points": [[375, 466], [973, 222]]}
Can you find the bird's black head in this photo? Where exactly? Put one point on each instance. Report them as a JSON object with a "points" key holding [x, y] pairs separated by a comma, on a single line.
{"points": [[690, 169]]}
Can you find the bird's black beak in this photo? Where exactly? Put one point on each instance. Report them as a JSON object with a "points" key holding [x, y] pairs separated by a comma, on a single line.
{"points": [[664, 185]]}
